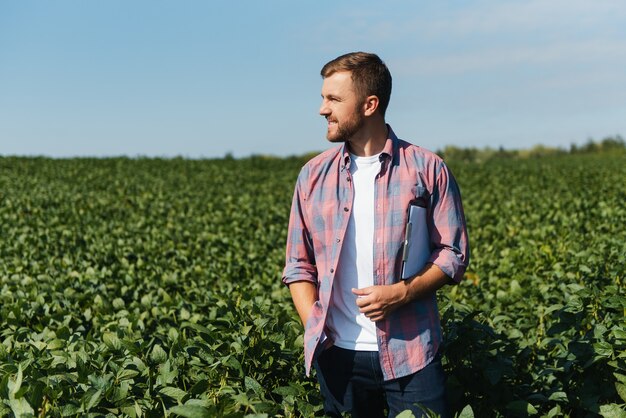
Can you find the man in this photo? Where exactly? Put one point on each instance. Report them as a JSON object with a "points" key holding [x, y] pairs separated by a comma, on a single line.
{"points": [[372, 337]]}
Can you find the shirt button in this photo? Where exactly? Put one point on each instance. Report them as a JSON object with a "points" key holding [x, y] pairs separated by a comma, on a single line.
{"points": [[332, 270], [346, 209], [338, 240], [348, 179]]}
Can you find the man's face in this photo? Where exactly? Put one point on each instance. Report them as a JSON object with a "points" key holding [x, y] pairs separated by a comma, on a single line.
{"points": [[341, 107]]}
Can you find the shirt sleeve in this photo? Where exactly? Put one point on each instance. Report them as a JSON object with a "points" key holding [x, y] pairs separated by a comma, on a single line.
{"points": [[300, 258], [448, 232]]}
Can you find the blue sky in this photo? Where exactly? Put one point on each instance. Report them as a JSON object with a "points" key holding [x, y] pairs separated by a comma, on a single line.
{"points": [[206, 78]]}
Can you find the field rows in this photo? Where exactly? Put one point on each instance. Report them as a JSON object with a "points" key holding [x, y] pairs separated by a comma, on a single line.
{"points": [[148, 287]]}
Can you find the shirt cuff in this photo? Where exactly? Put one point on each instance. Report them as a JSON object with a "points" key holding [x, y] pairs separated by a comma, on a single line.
{"points": [[299, 272], [451, 263]]}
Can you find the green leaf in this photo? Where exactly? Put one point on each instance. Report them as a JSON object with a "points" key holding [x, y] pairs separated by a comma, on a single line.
{"points": [[467, 412], [141, 366], [286, 391], [190, 411], [253, 385], [4, 410], [129, 410], [14, 384], [93, 399], [173, 392], [118, 303], [70, 410], [55, 344], [158, 355], [552, 308], [172, 334], [493, 372], [406, 414], [521, 408], [19, 405], [603, 349], [167, 374], [21, 408], [102, 382], [621, 390], [558, 396], [619, 334], [515, 287], [111, 340], [612, 411], [199, 387], [554, 412], [242, 399], [117, 394], [126, 374]]}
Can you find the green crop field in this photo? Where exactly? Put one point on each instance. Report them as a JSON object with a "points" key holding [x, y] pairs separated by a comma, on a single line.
{"points": [[151, 287]]}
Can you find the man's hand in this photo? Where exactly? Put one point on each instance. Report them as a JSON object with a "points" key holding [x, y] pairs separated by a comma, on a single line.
{"points": [[376, 302]]}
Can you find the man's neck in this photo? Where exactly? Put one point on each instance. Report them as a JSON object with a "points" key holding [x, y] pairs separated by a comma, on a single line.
{"points": [[370, 140]]}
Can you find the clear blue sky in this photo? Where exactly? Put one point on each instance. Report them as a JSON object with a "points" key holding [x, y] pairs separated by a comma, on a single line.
{"points": [[204, 78]]}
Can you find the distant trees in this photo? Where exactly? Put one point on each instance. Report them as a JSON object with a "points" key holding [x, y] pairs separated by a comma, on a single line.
{"points": [[612, 144], [608, 144]]}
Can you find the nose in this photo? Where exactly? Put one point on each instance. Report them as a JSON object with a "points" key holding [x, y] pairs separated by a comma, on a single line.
{"points": [[324, 110]]}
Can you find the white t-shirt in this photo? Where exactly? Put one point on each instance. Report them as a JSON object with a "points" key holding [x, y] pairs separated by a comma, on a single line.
{"points": [[349, 328]]}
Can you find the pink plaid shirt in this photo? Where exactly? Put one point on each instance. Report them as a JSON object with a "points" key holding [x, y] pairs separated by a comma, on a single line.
{"points": [[409, 337]]}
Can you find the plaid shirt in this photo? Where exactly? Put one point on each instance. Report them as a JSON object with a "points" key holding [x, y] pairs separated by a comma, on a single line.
{"points": [[409, 337]]}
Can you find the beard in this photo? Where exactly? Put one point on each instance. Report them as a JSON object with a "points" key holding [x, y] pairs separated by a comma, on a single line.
{"points": [[346, 129]]}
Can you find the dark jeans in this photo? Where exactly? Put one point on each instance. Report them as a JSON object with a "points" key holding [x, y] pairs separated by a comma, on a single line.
{"points": [[352, 381]]}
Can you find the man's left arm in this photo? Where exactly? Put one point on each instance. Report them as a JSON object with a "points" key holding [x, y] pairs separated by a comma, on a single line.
{"points": [[446, 264], [376, 302]]}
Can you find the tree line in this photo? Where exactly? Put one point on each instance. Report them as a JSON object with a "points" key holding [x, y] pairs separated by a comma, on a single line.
{"points": [[611, 144]]}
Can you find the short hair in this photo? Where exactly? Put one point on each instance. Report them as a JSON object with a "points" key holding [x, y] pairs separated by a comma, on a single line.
{"points": [[370, 75]]}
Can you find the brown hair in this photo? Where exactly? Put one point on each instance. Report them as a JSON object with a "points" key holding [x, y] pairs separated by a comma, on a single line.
{"points": [[370, 75]]}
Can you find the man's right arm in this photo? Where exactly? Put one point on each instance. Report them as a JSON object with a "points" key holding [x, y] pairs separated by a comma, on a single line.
{"points": [[300, 273], [304, 295]]}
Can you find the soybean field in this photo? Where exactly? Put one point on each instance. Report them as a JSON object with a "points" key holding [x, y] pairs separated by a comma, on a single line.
{"points": [[152, 287]]}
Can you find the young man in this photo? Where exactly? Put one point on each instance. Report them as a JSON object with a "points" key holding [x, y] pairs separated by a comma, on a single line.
{"points": [[372, 336]]}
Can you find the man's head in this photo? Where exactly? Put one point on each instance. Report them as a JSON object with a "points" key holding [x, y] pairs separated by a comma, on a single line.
{"points": [[370, 76], [355, 95]]}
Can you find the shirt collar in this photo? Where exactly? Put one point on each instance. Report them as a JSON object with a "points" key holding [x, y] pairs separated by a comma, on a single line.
{"points": [[390, 150]]}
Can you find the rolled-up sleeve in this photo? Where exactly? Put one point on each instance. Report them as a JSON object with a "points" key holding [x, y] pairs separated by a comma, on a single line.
{"points": [[448, 232], [300, 258]]}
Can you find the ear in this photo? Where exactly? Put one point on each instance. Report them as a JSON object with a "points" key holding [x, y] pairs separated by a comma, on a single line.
{"points": [[370, 105]]}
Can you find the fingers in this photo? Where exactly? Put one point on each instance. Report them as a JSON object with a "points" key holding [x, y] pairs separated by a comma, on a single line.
{"points": [[365, 306], [378, 317], [368, 301], [370, 309], [374, 314], [362, 292]]}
